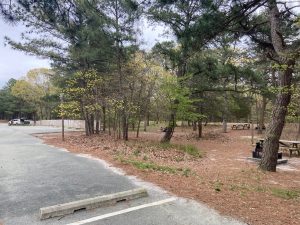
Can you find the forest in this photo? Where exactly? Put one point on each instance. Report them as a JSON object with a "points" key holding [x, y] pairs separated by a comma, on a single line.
{"points": [[226, 61]]}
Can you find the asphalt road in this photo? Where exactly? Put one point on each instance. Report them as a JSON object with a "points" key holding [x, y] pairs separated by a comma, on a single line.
{"points": [[35, 175]]}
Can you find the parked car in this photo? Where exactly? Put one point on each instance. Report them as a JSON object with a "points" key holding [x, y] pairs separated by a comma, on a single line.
{"points": [[18, 122]]}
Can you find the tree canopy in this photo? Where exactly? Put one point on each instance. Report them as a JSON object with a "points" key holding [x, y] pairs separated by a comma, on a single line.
{"points": [[223, 54]]}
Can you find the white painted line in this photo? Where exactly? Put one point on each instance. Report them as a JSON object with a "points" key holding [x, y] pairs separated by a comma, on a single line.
{"points": [[93, 219]]}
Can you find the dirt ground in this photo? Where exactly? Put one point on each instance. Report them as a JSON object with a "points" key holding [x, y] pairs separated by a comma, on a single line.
{"points": [[223, 178]]}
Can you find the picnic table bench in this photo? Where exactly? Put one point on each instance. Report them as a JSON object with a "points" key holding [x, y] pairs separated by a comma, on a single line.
{"points": [[291, 146], [240, 126]]}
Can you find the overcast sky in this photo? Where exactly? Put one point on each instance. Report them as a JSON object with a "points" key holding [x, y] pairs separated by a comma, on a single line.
{"points": [[15, 64]]}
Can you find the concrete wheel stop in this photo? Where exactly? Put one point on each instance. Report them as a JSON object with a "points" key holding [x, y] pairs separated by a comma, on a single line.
{"points": [[91, 203]]}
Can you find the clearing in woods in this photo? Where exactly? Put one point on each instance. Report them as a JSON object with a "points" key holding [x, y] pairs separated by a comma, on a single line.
{"points": [[213, 170]]}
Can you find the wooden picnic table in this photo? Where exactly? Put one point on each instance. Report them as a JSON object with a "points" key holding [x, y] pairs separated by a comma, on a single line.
{"points": [[293, 146], [293, 143], [238, 126]]}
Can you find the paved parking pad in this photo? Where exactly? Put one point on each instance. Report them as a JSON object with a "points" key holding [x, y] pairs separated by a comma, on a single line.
{"points": [[179, 212], [35, 175]]}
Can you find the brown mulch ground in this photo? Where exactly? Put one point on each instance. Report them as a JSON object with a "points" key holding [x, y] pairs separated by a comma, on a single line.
{"points": [[223, 178]]}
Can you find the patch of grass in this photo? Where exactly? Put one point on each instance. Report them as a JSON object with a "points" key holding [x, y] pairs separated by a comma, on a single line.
{"points": [[285, 193], [164, 145], [149, 166], [155, 167], [278, 192], [247, 188], [191, 150], [260, 189], [239, 187]]}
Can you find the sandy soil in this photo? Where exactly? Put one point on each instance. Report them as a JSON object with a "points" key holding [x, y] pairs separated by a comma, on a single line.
{"points": [[223, 178]]}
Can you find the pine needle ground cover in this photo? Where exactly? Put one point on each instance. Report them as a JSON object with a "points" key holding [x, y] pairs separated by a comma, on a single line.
{"points": [[213, 170]]}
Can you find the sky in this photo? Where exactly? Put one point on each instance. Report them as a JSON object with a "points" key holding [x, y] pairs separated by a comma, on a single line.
{"points": [[15, 64]]}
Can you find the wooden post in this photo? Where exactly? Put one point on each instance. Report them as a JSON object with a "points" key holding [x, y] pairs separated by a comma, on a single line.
{"points": [[62, 118]]}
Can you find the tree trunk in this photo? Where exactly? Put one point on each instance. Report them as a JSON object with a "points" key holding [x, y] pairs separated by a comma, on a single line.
{"points": [[157, 118], [225, 111], [224, 125], [148, 119], [115, 124], [273, 78], [97, 122], [91, 124], [138, 127], [34, 118], [125, 127], [119, 126], [194, 125], [41, 111], [169, 130], [258, 109], [298, 132], [87, 124], [252, 131], [145, 123], [104, 118], [271, 143], [200, 128], [109, 125], [262, 113], [86, 127]]}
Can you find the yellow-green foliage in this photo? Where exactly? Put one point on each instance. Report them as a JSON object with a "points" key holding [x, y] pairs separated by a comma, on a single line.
{"points": [[82, 91], [69, 110], [34, 86]]}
